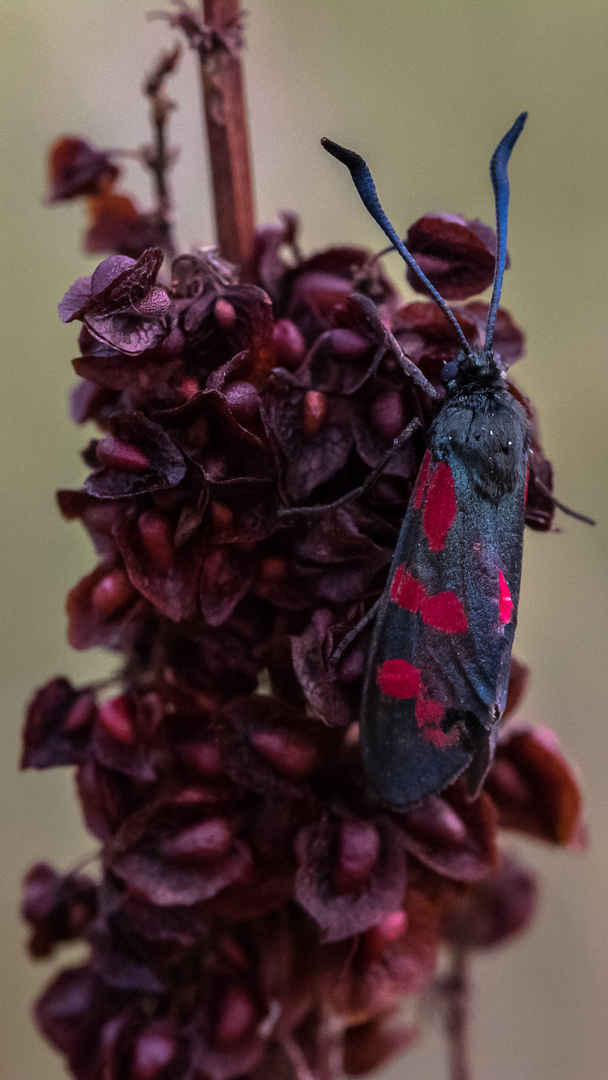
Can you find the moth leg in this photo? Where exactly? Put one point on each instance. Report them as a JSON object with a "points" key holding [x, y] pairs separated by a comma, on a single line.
{"points": [[340, 649], [561, 506], [294, 512], [409, 367], [389, 343]]}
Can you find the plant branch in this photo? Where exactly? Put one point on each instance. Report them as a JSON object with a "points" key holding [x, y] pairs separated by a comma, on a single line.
{"points": [[296, 1057], [330, 1046], [157, 158], [457, 989], [227, 136]]}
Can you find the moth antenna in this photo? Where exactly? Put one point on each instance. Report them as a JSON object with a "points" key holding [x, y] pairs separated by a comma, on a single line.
{"points": [[364, 183], [500, 183]]}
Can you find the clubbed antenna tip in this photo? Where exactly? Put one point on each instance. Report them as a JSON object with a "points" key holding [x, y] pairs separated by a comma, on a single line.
{"points": [[500, 183], [364, 183]]}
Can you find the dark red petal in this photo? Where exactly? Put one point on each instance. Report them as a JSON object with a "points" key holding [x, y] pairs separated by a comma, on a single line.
{"points": [[118, 225], [358, 851], [71, 1013], [94, 620], [114, 311], [112, 594], [78, 168], [375, 885], [490, 912], [227, 1062], [127, 735], [235, 1018], [371, 1044], [199, 842], [58, 908], [153, 1051], [269, 240], [456, 255], [291, 753], [175, 853], [385, 969], [289, 343], [267, 745], [137, 457], [311, 457], [333, 690], [540, 508], [57, 727], [107, 798], [116, 454], [535, 789], [452, 835]]}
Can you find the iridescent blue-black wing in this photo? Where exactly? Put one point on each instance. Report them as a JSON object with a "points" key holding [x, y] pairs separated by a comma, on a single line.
{"points": [[439, 661]]}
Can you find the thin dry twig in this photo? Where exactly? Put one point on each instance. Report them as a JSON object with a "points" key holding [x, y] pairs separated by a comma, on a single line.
{"points": [[457, 991], [158, 158]]}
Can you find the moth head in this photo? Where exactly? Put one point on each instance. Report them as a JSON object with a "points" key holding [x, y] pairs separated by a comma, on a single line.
{"points": [[477, 368]]}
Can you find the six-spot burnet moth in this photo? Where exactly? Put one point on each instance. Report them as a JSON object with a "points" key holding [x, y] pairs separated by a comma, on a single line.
{"points": [[438, 666]]}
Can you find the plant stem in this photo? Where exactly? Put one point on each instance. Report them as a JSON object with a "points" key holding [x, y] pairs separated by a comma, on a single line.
{"points": [[457, 1016], [296, 1056], [159, 171], [227, 138], [157, 159], [330, 1046]]}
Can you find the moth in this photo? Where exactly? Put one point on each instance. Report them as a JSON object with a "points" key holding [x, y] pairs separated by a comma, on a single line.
{"points": [[438, 666]]}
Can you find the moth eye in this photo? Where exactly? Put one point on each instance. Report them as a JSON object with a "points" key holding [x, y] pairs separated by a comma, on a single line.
{"points": [[449, 372]]}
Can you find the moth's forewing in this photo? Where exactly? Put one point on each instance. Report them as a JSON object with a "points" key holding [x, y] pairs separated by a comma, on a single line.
{"points": [[439, 662]]}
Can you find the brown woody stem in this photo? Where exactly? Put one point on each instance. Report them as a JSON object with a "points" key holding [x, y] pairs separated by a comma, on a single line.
{"points": [[227, 137], [457, 1016]]}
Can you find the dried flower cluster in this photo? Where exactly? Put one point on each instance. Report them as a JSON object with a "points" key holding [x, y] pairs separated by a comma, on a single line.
{"points": [[259, 912]]}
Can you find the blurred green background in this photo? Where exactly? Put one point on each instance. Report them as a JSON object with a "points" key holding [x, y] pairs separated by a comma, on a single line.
{"points": [[423, 90]]}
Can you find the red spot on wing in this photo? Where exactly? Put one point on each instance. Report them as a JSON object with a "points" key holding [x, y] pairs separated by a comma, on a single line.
{"points": [[401, 680], [444, 611], [429, 712], [429, 715], [440, 506], [406, 591], [398, 678], [423, 476], [505, 603]]}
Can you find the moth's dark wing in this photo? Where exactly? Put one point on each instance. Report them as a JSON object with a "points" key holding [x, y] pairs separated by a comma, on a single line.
{"points": [[439, 661], [402, 765]]}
